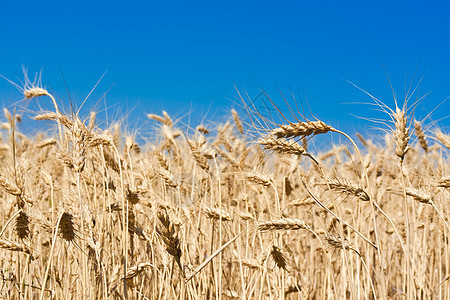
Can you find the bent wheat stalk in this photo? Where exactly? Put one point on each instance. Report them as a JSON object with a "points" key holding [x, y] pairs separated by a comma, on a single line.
{"points": [[50, 257], [8, 222], [203, 264]]}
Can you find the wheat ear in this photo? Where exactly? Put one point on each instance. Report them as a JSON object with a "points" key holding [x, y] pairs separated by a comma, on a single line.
{"points": [[347, 187], [130, 274], [283, 224], [338, 218], [420, 135], [169, 234], [301, 129], [443, 138], [12, 246], [237, 121], [401, 133]]}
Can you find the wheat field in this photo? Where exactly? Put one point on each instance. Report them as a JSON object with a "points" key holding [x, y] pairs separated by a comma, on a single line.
{"points": [[246, 209]]}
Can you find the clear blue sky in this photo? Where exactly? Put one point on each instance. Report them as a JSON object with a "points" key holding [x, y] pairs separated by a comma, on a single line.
{"points": [[188, 55]]}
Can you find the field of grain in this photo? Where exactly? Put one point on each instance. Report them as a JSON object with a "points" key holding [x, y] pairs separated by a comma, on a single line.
{"points": [[241, 210]]}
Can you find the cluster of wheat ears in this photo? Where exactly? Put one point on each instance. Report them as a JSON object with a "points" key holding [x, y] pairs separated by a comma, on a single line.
{"points": [[214, 213]]}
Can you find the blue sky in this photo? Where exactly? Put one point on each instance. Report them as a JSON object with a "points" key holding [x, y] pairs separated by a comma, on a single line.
{"points": [[184, 56]]}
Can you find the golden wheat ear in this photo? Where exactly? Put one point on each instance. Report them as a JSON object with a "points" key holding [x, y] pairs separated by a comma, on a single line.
{"points": [[443, 138], [22, 225], [283, 224], [66, 227], [168, 232], [301, 129], [401, 133], [281, 145], [12, 246], [421, 135]]}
